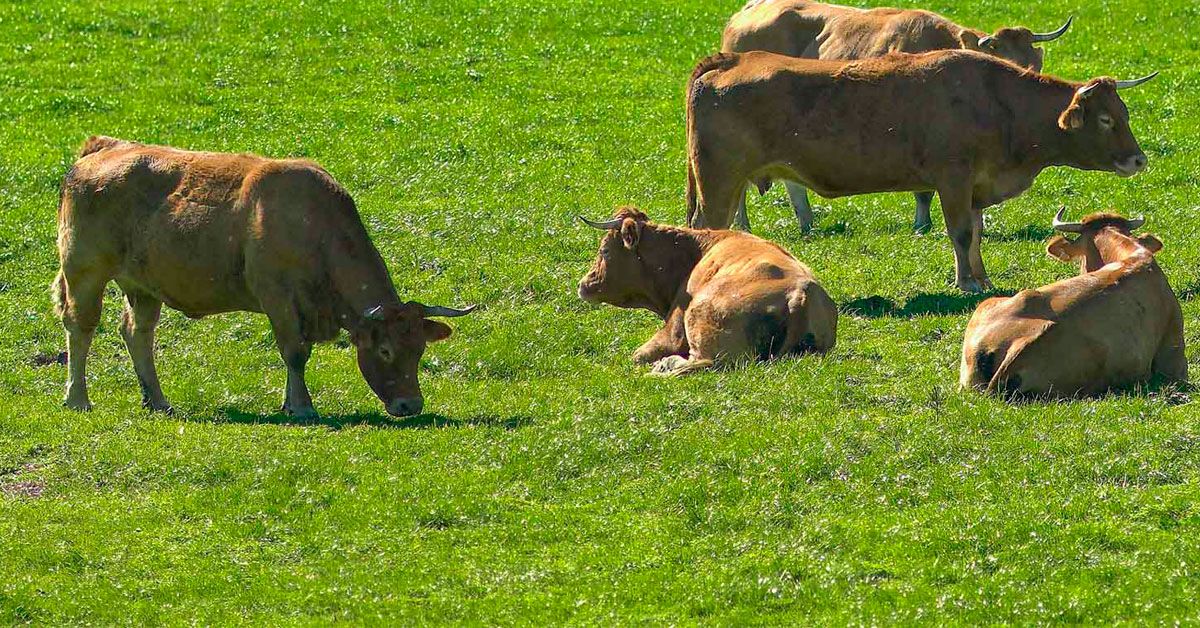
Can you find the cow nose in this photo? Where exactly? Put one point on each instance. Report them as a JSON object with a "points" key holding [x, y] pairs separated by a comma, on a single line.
{"points": [[405, 406], [1139, 161], [1133, 164]]}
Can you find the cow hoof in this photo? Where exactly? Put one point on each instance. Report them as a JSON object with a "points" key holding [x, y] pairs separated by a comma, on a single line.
{"points": [[667, 366], [922, 228], [970, 286], [161, 406], [302, 414], [79, 405]]}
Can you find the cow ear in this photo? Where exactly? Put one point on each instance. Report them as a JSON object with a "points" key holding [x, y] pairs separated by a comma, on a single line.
{"points": [[1071, 118], [969, 40], [1062, 248], [1151, 243], [435, 330], [631, 233]]}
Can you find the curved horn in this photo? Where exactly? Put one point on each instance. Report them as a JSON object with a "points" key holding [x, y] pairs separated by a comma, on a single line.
{"points": [[448, 312], [615, 223], [374, 313], [1136, 82], [1136, 222], [1066, 227], [1051, 36], [983, 41]]}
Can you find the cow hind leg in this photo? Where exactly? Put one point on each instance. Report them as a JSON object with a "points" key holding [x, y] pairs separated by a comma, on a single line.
{"points": [[922, 221], [79, 297], [798, 194], [140, 318]]}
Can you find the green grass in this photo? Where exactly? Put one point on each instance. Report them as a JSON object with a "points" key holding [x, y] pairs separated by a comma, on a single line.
{"points": [[553, 482]]}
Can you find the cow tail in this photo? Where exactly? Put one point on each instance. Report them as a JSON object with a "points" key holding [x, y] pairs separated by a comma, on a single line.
{"points": [[719, 61], [58, 294], [1000, 382]]}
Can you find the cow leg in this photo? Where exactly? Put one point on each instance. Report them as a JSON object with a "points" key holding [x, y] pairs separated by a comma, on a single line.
{"points": [[741, 219], [671, 339], [295, 352], [798, 194], [137, 328], [964, 224], [922, 221], [80, 296]]}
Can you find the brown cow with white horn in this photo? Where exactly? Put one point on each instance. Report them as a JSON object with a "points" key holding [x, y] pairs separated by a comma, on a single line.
{"points": [[207, 233], [814, 30], [724, 295], [1115, 324], [975, 128]]}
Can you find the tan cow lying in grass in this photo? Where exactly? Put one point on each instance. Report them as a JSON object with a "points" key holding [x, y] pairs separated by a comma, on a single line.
{"points": [[214, 232], [725, 295], [1115, 324], [798, 28]]}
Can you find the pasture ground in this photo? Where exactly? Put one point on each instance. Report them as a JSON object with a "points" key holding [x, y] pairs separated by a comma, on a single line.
{"points": [[553, 482]]}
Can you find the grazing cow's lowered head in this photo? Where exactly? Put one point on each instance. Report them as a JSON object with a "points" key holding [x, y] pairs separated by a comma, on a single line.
{"points": [[1097, 125], [1104, 238], [1014, 44], [390, 341]]}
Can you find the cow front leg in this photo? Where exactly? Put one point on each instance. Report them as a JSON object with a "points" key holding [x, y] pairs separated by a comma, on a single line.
{"points": [[798, 194], [964, 226], [741, 219], [137, 328], [670, 339], [922, 221], [295, 352]]}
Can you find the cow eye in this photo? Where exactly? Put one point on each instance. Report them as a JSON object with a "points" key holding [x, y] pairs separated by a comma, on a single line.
{"points": [[1106, 121]]}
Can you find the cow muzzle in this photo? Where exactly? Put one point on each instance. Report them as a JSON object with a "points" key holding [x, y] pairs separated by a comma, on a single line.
{"points": [[405, 406], [1130, 165]]}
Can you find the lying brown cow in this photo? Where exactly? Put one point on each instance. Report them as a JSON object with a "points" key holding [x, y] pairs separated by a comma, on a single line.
{"points": [[813, 30], [976, 129], [724, 295], [1115, 324], [212, 232]]}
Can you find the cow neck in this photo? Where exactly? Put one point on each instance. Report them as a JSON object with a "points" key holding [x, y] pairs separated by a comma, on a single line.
{"points": [[1114, 246], [358, 275], [668, 255], [1034, 115]]}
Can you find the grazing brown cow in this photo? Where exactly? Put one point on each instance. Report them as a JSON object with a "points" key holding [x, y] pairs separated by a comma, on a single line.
{"points": [[212, 232], [813, 30], [1115, 324], [976, 129], [725, 295]]}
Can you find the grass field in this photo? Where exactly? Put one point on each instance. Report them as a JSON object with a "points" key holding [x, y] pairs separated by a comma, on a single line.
{"points": [[552, 482]]}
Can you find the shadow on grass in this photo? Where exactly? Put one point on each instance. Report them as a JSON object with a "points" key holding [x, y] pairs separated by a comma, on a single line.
{"points": [[1170, 392], [369, 419], [1035, 233], [939, 304]]}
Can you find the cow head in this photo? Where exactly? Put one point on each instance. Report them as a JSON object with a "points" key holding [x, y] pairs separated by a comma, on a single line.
{"points": [[1092, 248], [1014, 44], [1097, 125], [390, 340], [619, 276]]}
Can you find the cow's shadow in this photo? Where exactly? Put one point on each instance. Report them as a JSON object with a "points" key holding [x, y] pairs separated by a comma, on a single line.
{"points": [[936, 304], [368, 419]]}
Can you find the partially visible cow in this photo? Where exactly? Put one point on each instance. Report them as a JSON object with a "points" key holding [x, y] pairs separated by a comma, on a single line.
{"points": [[813, 30], [975, 128], [212, 232], [724, 295], [1115, 324]]}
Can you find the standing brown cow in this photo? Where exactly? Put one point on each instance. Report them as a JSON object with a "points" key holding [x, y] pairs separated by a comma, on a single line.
{"points": [[975, 128], [1115, 324], [724, 295], [212, 232], [813, 30]]}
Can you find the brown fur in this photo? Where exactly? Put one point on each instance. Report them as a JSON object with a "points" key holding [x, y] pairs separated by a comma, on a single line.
{"points": [[723, 295], [1115, 324], [207, 233], [976, 129]]}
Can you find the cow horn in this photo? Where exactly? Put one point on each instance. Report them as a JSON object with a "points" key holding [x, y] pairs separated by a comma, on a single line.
{"points": [[448, 312], [615, 223], [984, 41], [374, 313], [1051, 36], [1136, 222], [1066, 227], [1136, 82]]}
